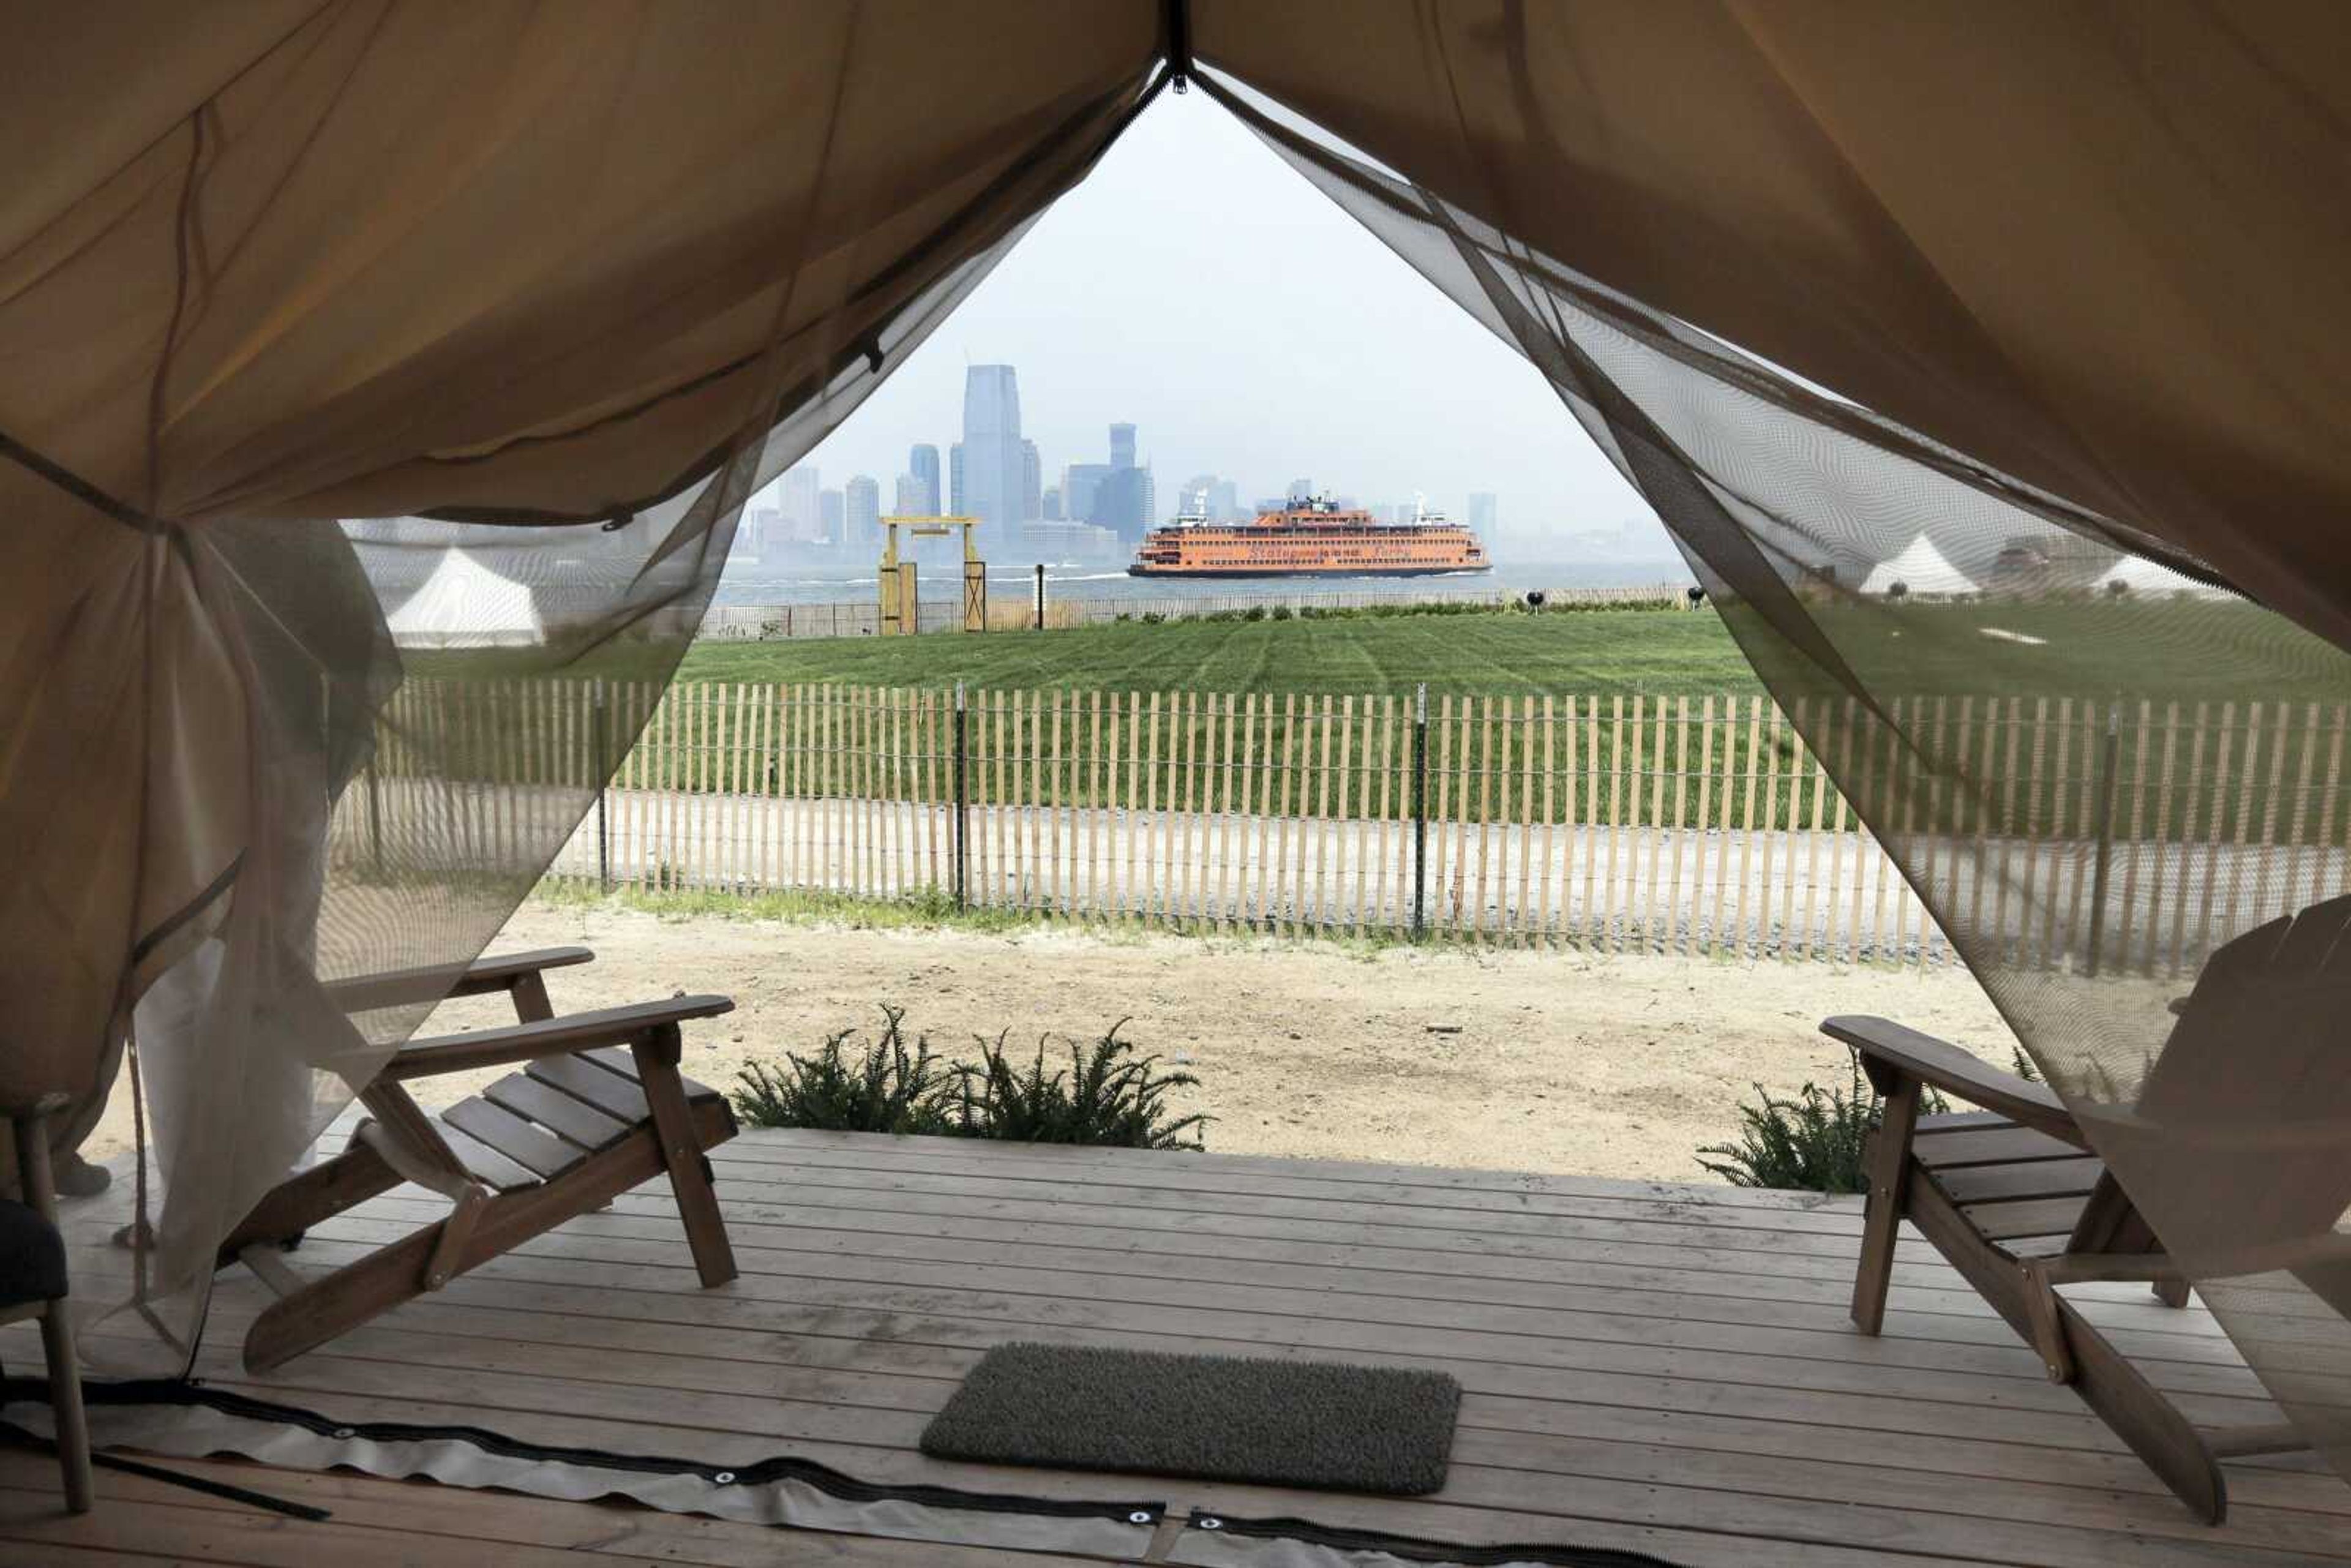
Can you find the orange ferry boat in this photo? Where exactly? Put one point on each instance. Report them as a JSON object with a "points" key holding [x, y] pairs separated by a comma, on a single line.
{"points": [[1310, 538]]}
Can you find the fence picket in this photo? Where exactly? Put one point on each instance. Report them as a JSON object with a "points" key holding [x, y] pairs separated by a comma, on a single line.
{"points": [[2318, 876], [1550, 839]]}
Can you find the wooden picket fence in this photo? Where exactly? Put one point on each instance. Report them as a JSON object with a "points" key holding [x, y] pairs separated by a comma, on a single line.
{"points": [[2128, 836]]}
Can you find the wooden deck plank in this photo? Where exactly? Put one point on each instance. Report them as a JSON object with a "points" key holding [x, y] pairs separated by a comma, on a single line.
{"points": [[1359, 1292], [2148, 1329], [909, 1380], [1655, 1367], [1731, 1351], [1658, 1496]]}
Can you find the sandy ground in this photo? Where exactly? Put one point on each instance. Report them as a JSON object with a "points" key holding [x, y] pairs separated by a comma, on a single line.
{"points": [[1618, 1066]]}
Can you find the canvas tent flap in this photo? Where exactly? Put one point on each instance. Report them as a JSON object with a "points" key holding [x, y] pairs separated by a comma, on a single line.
{"points": [[2097, 249], [272, 285], [297, 301], [510, 258], [2120, 811]]}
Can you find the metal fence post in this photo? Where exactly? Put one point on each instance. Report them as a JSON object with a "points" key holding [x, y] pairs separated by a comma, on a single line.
{"points": [[1420, 811], [603, 766], [2108, 755], [962, 794], [1040, 596]]}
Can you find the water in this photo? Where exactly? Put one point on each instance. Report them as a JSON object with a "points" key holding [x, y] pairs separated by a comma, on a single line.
{"points": [[784, 584]]}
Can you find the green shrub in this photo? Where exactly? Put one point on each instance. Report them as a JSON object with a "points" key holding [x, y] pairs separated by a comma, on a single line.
{"points": [[1108, 1097], [1282, 612], [885, 1090], [1812, 1142]]}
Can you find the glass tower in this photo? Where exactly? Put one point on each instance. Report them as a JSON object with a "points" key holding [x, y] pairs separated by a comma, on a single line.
{"points": [[992, 463]]}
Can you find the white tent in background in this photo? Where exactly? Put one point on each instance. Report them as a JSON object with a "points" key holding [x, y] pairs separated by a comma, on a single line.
{"points": [[464, 604], [2145, 579], [1921, 568]]}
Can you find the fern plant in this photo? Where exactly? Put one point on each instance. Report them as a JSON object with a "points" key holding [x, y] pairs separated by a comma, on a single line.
{"points": [[1813, 1142], [1107, 1096], [887, 1090]]}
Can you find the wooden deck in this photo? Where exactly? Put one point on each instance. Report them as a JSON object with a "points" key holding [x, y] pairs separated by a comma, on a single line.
{"points": [[1663, 1369]]}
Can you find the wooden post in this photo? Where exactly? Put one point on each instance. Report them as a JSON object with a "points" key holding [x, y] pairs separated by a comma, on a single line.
{"points": [[1550, 834], [959, 827], [602, 763], [2107, 758], [1420, 811]]}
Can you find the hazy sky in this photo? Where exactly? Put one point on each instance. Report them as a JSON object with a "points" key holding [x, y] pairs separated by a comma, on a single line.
{"points": [[1198, 287]]}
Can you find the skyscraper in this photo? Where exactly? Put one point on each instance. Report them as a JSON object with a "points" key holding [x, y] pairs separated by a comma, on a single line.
{"points": [[1483, 514], [991, 450], [1122, 447], [1301, 491], [959, 497], [831, 510], [913, 497], [1032, 481], [1126, 503], [924, 465], [863, 516], [1225, 501], [1082, 486], [803, 506], [1048, 505]]}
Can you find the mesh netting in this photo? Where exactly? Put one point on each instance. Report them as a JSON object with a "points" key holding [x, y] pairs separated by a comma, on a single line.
{"points": [[2121, 879], [568, 290]]}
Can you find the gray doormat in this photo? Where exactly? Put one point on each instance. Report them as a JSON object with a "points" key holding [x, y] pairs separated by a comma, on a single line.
{"points": [[1277, 1422]]}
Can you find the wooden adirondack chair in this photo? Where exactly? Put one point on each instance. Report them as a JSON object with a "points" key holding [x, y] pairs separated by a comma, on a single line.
{"points": [[599, 1107], [2013, 1198], [32, 1284]]}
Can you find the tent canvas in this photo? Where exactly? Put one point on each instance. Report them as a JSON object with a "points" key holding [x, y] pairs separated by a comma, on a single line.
{"points": [[464, 604], [2148, 578], [302, 261], [1921, 568]]}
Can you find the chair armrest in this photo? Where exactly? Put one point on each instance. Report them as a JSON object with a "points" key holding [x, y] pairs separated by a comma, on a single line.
{"points": [[46, 1106], [549, 1037], [1882, 1043], [365, 993]]}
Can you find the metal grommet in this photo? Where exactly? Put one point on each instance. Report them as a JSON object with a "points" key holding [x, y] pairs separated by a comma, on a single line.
{"points": [[346, 1432], [1210, 1522], [725, 1478], [1138, 1517]]}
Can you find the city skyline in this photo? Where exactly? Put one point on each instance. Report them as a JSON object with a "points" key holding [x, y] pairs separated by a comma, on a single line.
{"points": [[1249, 330]]}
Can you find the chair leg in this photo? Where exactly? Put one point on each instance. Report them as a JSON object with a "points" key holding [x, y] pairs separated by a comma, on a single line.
{"points": [[65, 1405], [689, 1177], [2172, 1292], [683, 1152], [1888, 1166]]}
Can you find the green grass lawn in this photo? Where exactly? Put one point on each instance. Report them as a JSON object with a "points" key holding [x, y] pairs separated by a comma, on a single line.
{"points": [[2166, 651], [1666, 651]]}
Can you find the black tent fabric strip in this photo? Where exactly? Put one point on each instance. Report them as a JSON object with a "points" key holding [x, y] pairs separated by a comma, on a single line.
{"points": [[132, 1393], [159, 1391]]}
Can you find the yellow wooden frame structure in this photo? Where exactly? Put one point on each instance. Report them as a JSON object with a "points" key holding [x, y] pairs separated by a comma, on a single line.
{"points": [[900, 596]]}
